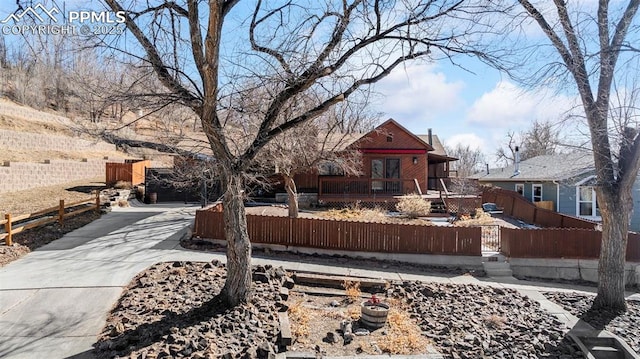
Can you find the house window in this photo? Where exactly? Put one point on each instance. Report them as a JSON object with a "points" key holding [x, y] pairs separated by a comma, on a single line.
{"points": [[390, 138], [389, 168], [392, 168], [536, 192], [377, 171], [520, 188], [328, 168], [587, 203]]}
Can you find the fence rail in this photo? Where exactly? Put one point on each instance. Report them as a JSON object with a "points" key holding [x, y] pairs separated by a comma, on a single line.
{"points": [[348, 235], [513, 204], [572, 243], [40, 218]]}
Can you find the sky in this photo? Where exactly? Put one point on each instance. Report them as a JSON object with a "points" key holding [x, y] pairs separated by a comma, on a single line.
{"points": [[470, 108], [477, 106]]}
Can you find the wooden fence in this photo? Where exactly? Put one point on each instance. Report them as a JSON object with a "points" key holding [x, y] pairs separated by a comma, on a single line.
{"points": [[348, 235], [45, 216], [133, 172], [513, 204], [560, 243]]}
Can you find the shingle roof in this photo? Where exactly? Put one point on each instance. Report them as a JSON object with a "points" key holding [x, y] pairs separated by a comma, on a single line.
{"points": [[543, 168], [438, 148]]}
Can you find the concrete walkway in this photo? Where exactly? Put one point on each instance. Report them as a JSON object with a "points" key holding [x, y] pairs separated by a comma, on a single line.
{"points": [[54, 301]]}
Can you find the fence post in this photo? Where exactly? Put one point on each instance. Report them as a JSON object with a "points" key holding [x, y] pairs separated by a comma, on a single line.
{"points": [[7, 228], [61, 212], [97, 201]]}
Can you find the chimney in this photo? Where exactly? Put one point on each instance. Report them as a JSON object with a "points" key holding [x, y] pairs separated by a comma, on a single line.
{"points": [[430, 137], [487, 168], [516, 170]]}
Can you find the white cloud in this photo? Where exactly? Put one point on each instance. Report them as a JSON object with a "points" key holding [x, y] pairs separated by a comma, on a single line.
{"points": [[471, 139], [418, 93], [509, 106]]}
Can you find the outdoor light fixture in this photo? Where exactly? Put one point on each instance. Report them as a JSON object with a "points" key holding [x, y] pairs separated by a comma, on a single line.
{"points": [[415, 160]]}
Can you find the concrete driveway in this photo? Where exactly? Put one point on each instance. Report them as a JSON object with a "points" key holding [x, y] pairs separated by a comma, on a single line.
{"points": [[54, 301]]}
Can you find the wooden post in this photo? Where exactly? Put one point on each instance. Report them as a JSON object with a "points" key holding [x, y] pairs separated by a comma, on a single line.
{"points": [[97, 201], [7, 228], [61, 212]]}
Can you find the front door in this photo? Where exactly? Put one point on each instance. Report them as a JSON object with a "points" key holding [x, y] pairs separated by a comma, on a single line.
{"points": [[387, 169], [392, 171]]}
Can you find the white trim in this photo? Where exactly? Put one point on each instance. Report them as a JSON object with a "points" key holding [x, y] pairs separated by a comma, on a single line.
{"points": [[557, 197], [585, 180], [533, 191], [592, 217]]}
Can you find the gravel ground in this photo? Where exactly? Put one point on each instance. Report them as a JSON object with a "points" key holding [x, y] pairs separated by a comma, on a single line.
{"points": [[172, 310], [625, 325], [27, 241]]}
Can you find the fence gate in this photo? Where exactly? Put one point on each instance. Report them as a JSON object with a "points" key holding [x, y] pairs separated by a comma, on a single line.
{"points": [[491, 238]]}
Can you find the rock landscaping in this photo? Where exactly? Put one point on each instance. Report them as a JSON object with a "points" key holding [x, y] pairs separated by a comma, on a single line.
{"points": [[173, 310], [625, 325], [469, 321]]}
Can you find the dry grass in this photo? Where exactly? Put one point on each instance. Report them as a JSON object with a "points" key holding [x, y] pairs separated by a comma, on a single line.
{"points": [[479, 219], [404, 336], [352, 290], [353, 312], [301, 316], [123, 185], [36, 199], [377, 215], [357, 213], [495, 321]]}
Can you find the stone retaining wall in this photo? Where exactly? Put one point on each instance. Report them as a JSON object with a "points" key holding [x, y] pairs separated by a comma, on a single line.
{"points": [[17, 176], [568, 269], [44, 142]]}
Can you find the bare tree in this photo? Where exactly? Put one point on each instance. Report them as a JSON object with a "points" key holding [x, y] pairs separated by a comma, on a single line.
{"points": [[328, 48], [540, 139], [319, 146], [594, 48], [469, 161]]}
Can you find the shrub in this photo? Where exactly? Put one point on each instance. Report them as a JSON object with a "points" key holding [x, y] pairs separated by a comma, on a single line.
{"points": [[413, 206], [352, 290], [122, 185]]}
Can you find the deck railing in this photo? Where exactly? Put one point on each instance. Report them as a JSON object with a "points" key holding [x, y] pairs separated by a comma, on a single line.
{"points": [[366, 187]]}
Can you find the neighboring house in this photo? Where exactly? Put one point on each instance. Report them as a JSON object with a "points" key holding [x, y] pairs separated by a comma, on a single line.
{"points": [[395, 162], [568, 180]]}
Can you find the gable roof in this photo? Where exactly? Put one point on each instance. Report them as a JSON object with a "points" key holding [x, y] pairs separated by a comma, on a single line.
{"points": [[383, 128], [438, 148], [557, 167]]}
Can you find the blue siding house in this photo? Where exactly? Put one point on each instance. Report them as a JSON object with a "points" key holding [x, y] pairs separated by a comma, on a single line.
{"points": [[568, 180]]}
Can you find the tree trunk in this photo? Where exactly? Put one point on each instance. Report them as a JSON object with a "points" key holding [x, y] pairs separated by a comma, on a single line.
{"points": [[292, 194], [615, 210], [237, 287]]}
